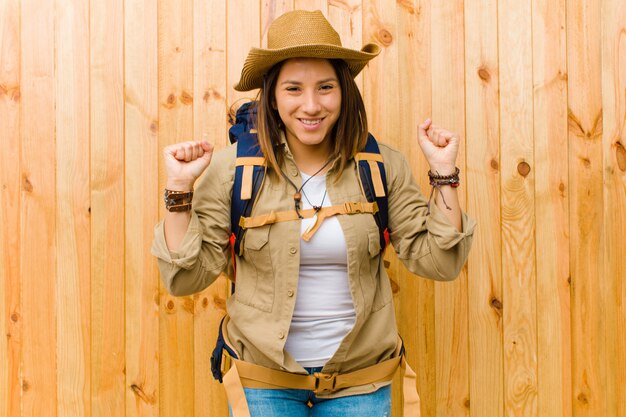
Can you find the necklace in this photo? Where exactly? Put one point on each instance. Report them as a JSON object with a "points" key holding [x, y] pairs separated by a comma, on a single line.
{"points": [[316, 208], [297, 197]]}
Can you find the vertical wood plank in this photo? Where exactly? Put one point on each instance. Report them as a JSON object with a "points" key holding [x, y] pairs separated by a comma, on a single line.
{"points": [[483, 190], [518, 223], [209, 117], [10, 308], [73, 349], [107, 202], [584, 62], [38, 248], [379, 26], [551, 208], [346, 17], [451, 308], [415, 307], [321, 5], [141, 208], [175, 55], [613, 22], [243, 28], [270, 10], [383, 91]]}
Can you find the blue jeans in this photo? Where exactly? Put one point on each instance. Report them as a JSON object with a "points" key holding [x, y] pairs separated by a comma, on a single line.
{"points": [[293, 403]]}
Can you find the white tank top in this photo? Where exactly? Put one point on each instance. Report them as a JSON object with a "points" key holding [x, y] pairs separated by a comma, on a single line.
{"points": [[324, 311]]}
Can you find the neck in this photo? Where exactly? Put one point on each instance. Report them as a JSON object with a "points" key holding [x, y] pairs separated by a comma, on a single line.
{"points": [[310, 158]]}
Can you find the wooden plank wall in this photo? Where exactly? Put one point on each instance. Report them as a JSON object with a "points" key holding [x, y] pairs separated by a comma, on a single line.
{"points": [[90, 93]]}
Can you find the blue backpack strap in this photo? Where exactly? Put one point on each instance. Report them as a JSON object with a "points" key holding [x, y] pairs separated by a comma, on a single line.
{"points": [[249, 171], [216, 356], [374, 182], [245, 120]]}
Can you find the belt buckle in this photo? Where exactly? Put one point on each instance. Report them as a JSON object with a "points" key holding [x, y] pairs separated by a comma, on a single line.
{"points": [[324, 383], [226, 363]]}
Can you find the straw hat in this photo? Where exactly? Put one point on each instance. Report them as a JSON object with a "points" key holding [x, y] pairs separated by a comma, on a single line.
{"points": [[300, 34]]}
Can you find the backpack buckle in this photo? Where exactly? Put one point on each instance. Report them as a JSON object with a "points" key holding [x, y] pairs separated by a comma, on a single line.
{"points": [[324, 383], [353, 207]]}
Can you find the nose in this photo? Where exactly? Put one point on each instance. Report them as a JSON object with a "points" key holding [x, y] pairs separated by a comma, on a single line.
{"points": [[311, 104]]}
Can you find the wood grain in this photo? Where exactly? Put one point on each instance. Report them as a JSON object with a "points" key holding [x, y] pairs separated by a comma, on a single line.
{"points": [[415, 300], [321, 5], [10, 182], [91, 92], [107, 216], [551, 207], [586, 207], [270, 10], [73, 266], [38, 245], [518, 222], [243, 32], [141, 203], [485, 298], [451, 309], [175, 55], [613, 289], [346, 17], [210, 116]]}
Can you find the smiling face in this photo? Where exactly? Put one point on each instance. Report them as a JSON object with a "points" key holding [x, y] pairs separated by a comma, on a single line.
{"points": [[308, 100]]}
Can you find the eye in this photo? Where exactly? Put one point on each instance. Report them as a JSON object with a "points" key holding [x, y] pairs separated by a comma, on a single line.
{"points": [[327, 87], [292, 88]]}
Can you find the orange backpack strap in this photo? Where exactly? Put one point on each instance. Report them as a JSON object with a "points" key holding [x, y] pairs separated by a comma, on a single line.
{"points": [[319, 214], [245, 374]]}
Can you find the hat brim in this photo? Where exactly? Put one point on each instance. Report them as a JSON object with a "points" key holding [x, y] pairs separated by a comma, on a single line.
{"points": [[259, 61]]}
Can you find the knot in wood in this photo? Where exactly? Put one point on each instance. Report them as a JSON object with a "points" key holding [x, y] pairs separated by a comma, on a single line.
{"points": [[385, 37], [186, 98], [27, 185], [620, 156], [170, 102], [523, 168], [495, 303], [483, 74]]}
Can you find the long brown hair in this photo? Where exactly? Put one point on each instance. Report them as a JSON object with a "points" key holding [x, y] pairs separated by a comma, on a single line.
{"points": [[348, 136]]}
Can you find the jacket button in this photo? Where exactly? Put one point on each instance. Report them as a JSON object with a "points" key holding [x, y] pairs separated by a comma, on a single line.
{"points": [[292, 250], [294, 173], [290, 293], [281, 335]]}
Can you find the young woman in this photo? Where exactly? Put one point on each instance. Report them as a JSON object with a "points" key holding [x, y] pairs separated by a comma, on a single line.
{"points": [[313, 304]]}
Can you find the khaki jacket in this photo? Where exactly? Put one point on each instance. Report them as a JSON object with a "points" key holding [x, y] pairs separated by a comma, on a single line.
{"points": [[267, 273]]}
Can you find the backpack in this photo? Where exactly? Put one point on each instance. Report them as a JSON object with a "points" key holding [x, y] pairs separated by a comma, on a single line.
{"points": [[250, 173]]}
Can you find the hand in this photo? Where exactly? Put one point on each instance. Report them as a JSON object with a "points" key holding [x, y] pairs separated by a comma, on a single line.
{"points": [[185, 162], [440, 147]]}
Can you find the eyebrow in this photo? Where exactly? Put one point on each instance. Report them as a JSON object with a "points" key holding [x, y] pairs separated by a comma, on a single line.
{"points": [[319, 82]]}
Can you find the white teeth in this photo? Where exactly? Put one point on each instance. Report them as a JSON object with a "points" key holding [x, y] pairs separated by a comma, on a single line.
{"points": [[311, 122]]}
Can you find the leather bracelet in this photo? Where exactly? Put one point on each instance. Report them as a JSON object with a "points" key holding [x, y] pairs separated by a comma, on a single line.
{"points": [[452, 179], [437, 181], [176, 201]]}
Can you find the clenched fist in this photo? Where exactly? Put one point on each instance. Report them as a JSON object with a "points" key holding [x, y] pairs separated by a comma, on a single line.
{"points": [[440, 147], [185, 162]]}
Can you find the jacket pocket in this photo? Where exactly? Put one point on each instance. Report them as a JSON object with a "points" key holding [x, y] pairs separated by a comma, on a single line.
{"points": [[255, 275], [382, 292]]}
